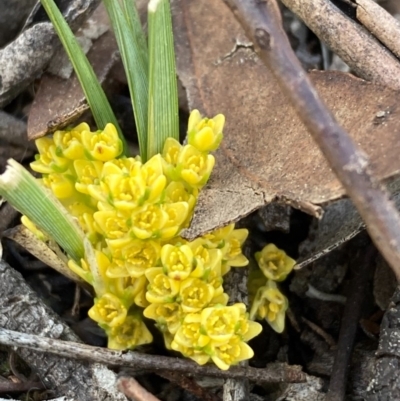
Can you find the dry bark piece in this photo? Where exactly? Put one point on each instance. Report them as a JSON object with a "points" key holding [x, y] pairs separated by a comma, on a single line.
{"points": [[21, 310], [26, 57], [267, 154], [380, 23], [353, 43]]}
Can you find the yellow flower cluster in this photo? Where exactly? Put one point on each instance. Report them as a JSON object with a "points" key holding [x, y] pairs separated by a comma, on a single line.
{"points": [[132, 213], [268, 303]]}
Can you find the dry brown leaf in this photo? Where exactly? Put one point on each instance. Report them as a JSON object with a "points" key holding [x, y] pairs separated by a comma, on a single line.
{"points": [[43, 252], [267, 154]]}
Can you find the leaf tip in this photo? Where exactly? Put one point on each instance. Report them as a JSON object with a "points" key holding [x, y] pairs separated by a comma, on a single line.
{"points": [[12, 175], [153, 4]]}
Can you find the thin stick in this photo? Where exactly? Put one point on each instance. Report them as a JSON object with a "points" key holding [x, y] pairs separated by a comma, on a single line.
{"points": [[21, 387], [349, 324], [349, 40], [262, 23], [379, 22], [131, 388], [69, 349], [190, 385]]}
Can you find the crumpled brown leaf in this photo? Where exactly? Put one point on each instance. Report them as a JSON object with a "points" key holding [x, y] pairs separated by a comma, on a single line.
{"points": [[267, 154], [52, 257]]}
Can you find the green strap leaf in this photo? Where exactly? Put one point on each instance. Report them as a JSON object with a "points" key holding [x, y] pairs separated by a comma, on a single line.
{"points": [[36, 202], [163, 92], [132, 45], [92, 89]]}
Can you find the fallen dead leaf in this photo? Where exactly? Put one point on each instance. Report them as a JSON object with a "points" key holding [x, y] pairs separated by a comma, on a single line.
{"points": [[267, 154], [51, 257]]}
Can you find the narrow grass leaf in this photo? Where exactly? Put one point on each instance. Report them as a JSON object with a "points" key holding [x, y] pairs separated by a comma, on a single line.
{"points": [[30, 198], [163, 93], [132, 45], [92, 89]]}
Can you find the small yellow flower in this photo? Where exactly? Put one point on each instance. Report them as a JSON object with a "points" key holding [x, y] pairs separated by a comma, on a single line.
{"points": [[195, 295], [177, 261], [154, 178], [246, 329], [161, 289], [177, 214], [219, 322], [130, 290], [131, 333], [148, 220], [69, 143], [112, 224], [33, 229], [189, 334], [274, 263], [132, 257], [197, 355], [88, 173], [82, 270], [48, 160], [216, 238], [62, 185], [177, 192], [232, 251], [108, 311], [230, 353], [171, 151], [123, 187], [194, 167], [207, 260], [168, 316], [102, 145], [203, 133], [270, 304], [84, 215]]}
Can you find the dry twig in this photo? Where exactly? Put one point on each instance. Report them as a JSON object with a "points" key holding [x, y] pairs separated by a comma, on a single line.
{"points": [[8, 386], [262, 24], [131, 388], [189, 384], [354, 44], [73, 350], [349, 325], [380, 23]]}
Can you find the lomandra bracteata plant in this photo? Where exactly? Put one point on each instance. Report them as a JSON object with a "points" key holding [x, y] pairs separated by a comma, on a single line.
{"points": [[119, 218], [132, 213]]}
